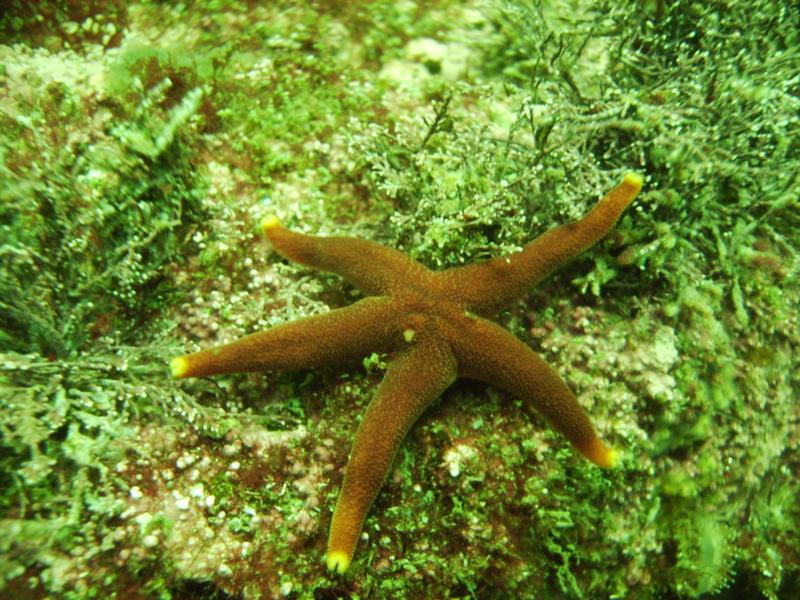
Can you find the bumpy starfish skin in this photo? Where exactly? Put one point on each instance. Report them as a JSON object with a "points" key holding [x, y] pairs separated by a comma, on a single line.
{"points": [[435, 324]]}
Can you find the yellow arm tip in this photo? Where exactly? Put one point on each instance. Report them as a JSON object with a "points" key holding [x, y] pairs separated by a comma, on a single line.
{"points": [[338, 561], [269, 223], [633, 180], [179, 366], [612, 459], [600, 454]]}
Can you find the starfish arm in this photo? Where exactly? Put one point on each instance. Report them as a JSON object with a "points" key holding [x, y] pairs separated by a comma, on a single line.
{"points": [[371, 267], [487, 352], [413, 381], [341, 335], [488, 287]]}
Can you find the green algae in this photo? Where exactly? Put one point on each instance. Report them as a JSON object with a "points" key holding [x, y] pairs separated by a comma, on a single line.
{"points": [[141, 143]]}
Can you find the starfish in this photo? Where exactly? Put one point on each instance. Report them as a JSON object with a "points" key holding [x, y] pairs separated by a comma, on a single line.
{"points": [[436, 327]]}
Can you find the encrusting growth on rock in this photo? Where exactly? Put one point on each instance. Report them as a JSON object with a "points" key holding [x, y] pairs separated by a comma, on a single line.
{"points": [[435, 325]]}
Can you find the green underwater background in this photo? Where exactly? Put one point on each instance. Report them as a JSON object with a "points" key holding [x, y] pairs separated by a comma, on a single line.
{"points": [[140, 145]]}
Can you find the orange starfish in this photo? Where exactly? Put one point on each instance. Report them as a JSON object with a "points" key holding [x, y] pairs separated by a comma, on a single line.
{"points": [[435, 324]]}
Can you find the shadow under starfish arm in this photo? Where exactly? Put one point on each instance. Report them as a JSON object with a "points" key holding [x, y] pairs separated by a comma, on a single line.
{"points": [[487, 352], [341, 335], [414, 379], [490, 286], [371, 267]]}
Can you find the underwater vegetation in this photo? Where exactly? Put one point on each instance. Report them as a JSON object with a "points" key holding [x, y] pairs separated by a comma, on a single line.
{"points": [[142, 143]]}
